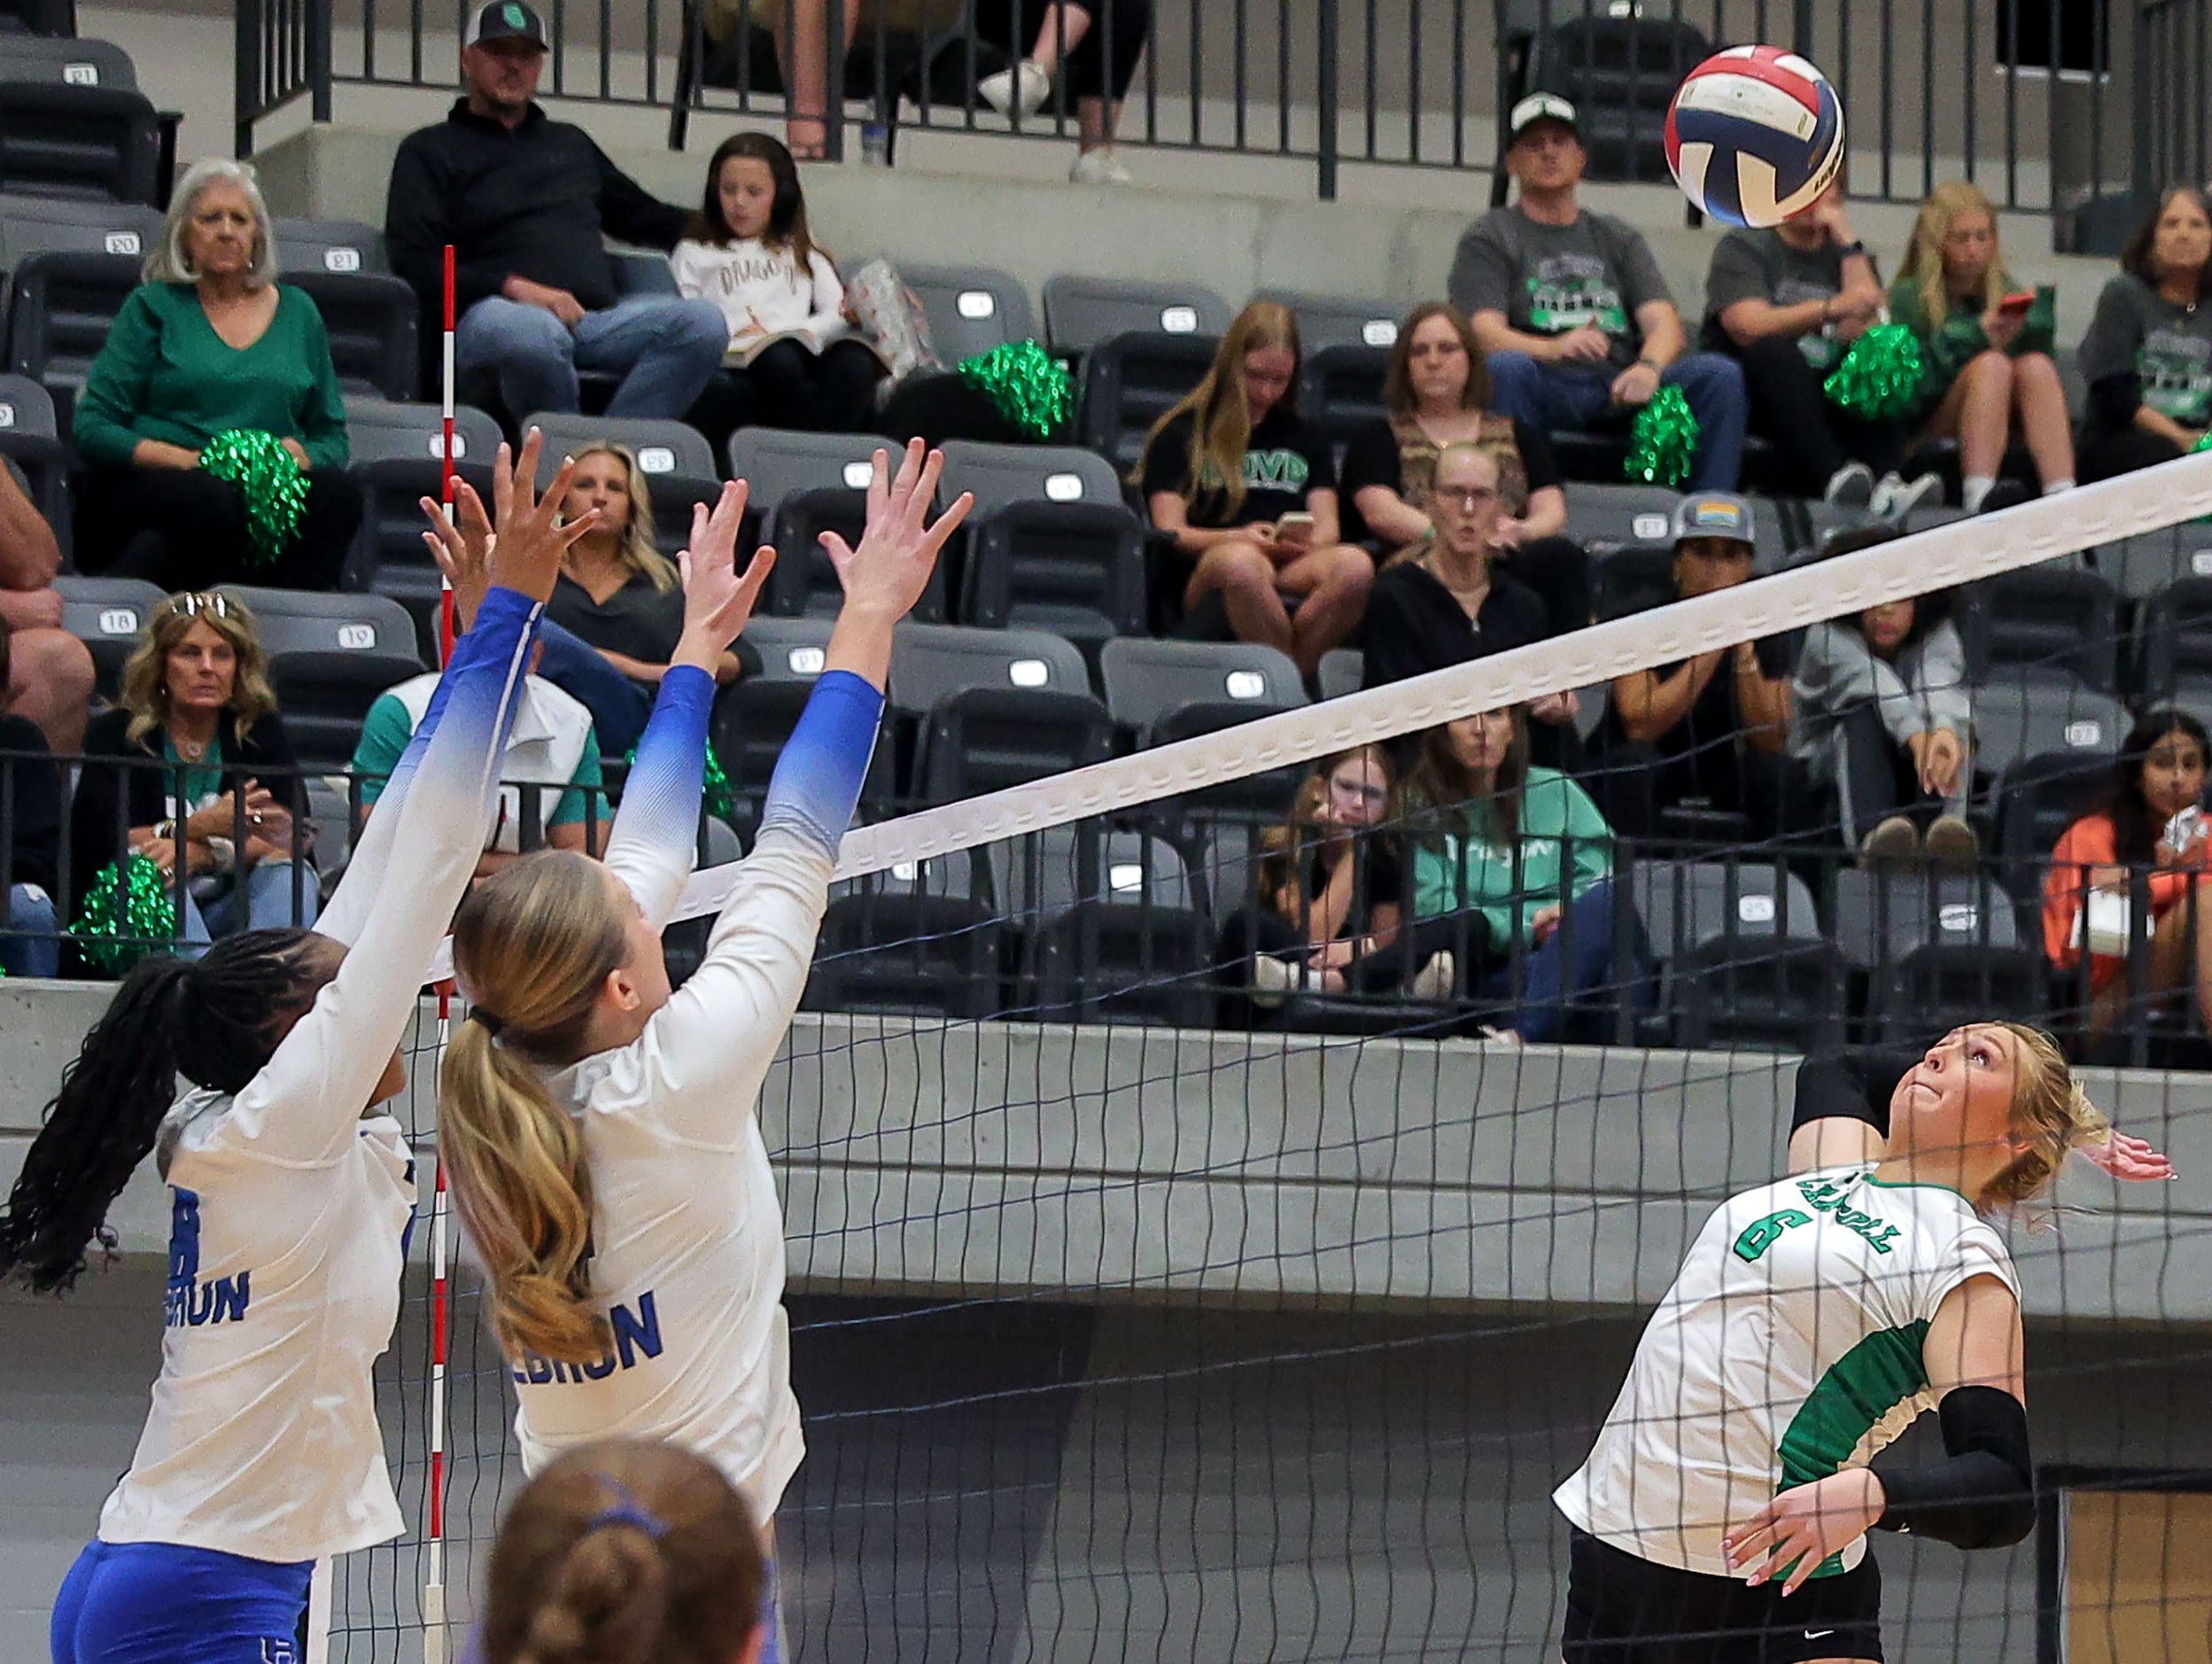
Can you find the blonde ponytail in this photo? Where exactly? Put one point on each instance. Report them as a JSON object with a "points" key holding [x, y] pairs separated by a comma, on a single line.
{"points": [[532, 947]]}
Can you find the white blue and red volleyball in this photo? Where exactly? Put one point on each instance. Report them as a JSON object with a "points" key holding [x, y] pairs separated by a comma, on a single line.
{"points": [[1754, 134]]}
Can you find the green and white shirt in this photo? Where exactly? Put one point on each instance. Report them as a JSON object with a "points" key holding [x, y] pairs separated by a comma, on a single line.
{"points": [[1787, 1350]]}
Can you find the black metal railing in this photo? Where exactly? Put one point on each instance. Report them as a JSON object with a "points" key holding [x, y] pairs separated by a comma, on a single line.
{"points": [[2080, 108]]}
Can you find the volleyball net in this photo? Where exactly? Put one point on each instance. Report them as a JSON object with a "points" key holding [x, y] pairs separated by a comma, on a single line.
{"points": [[1150, 1302]]}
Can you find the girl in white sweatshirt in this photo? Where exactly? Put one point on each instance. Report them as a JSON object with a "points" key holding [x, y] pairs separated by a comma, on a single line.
{"points": [[748, 251]]}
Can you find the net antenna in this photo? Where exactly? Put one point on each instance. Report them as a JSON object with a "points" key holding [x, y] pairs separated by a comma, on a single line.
{"points": [[441, 1258]]}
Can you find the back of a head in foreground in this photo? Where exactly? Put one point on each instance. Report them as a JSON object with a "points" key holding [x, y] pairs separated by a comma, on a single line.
{"points": [[626, 1553]]}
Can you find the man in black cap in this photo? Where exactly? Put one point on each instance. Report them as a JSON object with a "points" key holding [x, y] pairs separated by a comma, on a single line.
{"points": [[523, 200], [1576, 323]]}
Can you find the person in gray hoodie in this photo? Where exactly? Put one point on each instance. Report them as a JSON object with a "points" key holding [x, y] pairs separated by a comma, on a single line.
{"points": [[1881, 709]]}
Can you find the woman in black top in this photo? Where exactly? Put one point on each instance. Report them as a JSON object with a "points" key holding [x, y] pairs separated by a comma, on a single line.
{"points": [[30, 786], [2147, 356], [1328, 898], [1437, 392], [1223, 470], [196, 769], [1452, 602]]}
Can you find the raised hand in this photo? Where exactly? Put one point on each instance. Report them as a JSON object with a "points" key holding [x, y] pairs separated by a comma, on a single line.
{"points": [[462, 546], [2126, 1157], [717, 599], [531, 539], [898, 550]]}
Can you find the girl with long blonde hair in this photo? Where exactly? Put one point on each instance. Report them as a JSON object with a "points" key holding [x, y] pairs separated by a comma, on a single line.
{"points": [[600, 1131], [1248, 493], [1986, 344], [1727, 1502]]}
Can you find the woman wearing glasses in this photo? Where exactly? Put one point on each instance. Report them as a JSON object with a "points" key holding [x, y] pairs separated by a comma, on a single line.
{"points": [[1436, 393], [1449, 601], [192, 766]]}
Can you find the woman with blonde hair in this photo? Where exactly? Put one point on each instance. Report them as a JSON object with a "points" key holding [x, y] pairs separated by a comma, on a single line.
{"points": [[210, 347], [601, 1131], [618, 597], [1986, 345], [626, 1552], [1727, 1502], [192, 766], [1247, 492]]}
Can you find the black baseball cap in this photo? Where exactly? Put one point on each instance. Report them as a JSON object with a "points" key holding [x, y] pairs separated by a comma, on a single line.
{"points": [[506, 20]]}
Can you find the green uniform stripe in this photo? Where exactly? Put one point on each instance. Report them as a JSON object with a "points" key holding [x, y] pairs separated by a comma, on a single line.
{"points": [[1863, 1386]]}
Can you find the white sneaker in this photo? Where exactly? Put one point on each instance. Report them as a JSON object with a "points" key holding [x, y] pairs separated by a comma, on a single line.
{"points": [[1101, 167], [1850, 487], [1273, 980], [1000, 91], [1434, 979], [1896, 497]]}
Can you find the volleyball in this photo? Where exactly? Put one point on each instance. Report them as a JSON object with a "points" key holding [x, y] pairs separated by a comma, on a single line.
{"points": [[1754, 134]]}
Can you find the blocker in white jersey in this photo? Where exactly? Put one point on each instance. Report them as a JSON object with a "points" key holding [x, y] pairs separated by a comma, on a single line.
{"points": [[1789, 1347]]}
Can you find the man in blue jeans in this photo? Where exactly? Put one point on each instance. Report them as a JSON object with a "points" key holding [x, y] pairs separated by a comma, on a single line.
{"points": [[1574, 318], [523, 200]]}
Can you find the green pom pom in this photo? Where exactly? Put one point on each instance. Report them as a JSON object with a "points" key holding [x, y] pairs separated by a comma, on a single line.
{"points": [[128, 913], [1030, 387], [1881, 378], [2204, 442], [1664, 440], [263, 472]]}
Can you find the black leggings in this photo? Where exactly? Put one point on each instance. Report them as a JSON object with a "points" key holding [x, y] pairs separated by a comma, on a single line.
{"points": [[2122, 452], [1812, 438], [1104, 62], [786, 386], [1774, 793], [179, 528]]}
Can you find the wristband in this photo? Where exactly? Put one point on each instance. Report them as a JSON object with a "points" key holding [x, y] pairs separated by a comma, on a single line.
{"points": [[1849, 249]]}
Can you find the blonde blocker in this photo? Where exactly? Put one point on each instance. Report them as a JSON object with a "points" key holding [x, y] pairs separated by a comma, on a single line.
{"points": [[532, 947], [1924, 252], [1220, 419], [639, 552], [144, 691], [624, 1552], [2051, 1110]]}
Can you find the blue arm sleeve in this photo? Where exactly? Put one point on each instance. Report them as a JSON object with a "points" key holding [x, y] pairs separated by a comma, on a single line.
{"points": [[657, 829], [818, 779]]}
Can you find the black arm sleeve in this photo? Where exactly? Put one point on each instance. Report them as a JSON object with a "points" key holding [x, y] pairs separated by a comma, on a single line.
{"points": [[1983, 1496], [1855, 1084], [2113, 400]]}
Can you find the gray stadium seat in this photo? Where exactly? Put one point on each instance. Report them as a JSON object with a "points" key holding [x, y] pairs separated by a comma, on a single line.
{"points": [[917, 940], [1051, 871], [662, 447], [2048, 620], [1342, 670], [1937, 949], [2139, 567], [88, 142], [1082, 312], [803, 581], [790, 649], [106, 614], [37, 225], [297, 621], [971, 308], [60, 308], [1076, 569], [2026, 714], [637, 272], [776, 461], [1601, 517], [30, 446], [1129, 382], [1144, 679], [1001, 474], [1326, 321], [382, 431], [72, 62], [342, 246], [931, 662], [26, 409], [373, 320], [1742, 960], [981, 740], [329, 657], [1340, 388]]}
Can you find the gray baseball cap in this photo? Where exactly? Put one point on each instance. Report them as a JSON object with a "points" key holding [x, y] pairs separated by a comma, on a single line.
{"points": [[1715, 514]]}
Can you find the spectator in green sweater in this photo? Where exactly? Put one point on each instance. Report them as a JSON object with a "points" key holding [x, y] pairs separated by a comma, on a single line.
{"points": [[211, 343], [1987, 345], [1523, 856]]}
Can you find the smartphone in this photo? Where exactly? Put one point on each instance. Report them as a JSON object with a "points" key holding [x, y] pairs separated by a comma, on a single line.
{"points": [[2182, 829], [1294, 528], [2016, 306]]}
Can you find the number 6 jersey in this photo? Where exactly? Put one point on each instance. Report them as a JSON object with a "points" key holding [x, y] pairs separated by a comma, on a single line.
{"points": [[1788, 1348]]}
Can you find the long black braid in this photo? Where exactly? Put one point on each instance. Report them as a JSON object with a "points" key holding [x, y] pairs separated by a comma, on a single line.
{"points": [[216, 1021]]}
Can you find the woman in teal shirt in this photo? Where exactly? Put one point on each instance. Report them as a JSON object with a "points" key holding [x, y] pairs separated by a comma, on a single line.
{"points": [[210, 344], [1526, 851], [1988, 366]]}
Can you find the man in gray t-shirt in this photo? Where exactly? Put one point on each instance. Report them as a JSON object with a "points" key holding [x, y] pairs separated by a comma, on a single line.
{"points": [[1575, 322]]}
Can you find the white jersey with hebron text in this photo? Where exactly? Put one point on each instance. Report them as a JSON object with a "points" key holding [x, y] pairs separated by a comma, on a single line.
{"points": [[289, 1206], [1788, 1348]]}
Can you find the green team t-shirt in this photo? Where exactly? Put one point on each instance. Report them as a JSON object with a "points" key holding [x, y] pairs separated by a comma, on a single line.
{"points": [[1548, 279]]}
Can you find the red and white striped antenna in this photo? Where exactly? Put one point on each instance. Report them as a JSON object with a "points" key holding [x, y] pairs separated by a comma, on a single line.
{"points": [[442, 1257]]}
